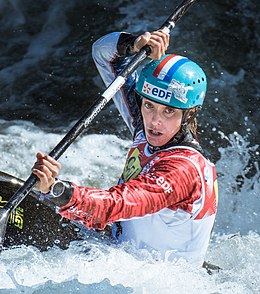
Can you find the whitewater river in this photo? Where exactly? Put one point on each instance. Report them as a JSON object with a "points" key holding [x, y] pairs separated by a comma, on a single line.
{"points": [[47, 80]]}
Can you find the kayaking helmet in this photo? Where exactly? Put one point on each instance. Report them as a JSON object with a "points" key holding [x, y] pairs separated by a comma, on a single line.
{"points": [[174, 80]]}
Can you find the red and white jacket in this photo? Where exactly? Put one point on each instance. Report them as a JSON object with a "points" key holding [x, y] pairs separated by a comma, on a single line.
{"points": [[166, 200]]}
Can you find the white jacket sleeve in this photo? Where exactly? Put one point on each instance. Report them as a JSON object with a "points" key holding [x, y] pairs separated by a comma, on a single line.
{"points": [[109, 63]]}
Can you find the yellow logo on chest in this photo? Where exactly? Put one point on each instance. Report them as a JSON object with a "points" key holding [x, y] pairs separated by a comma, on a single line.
{"points": [[132, 166]]}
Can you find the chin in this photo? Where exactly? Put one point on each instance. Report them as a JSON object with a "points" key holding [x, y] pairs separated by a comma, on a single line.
{"points": [[155, 143]]}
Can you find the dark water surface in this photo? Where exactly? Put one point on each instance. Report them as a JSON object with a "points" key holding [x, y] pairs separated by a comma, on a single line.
{"points": [[47, 75]]}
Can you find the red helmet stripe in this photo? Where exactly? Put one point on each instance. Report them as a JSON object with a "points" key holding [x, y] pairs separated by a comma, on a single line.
{"points": [[162, 64]]}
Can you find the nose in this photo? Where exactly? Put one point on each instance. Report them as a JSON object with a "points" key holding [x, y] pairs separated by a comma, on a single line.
{"points": [[156, 118]]}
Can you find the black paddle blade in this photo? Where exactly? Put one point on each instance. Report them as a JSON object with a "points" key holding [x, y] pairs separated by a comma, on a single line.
{"points": [[33, 222]]}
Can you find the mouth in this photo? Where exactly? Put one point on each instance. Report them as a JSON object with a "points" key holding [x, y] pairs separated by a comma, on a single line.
{"points": [[154, 133], [154, 137]]}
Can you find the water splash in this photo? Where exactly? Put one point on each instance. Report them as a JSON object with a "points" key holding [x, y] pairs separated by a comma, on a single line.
{"points": [[239, 186]]}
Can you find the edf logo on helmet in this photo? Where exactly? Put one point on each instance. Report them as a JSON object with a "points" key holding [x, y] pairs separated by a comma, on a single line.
{"points": [[157, 93], [177, 89]]}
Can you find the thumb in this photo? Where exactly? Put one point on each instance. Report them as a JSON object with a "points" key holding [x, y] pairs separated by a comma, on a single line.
{"points": [[141, 41], [39, 155]]}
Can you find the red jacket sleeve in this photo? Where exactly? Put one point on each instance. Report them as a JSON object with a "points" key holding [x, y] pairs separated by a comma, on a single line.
{"points": [[171, 183]]}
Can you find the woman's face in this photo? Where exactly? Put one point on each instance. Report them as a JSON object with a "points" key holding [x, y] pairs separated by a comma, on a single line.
{"points": [[161, 122]]}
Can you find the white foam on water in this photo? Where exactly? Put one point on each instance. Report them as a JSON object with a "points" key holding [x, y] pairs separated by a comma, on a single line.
{"points": [[93, 266], [88, 263], [91, 160], [239, 186]]}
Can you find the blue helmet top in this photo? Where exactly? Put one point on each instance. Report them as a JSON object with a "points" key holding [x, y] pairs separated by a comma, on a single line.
{"points": [[173, 80]]}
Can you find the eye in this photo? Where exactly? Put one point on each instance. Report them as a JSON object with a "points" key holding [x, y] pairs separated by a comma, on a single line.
{"points": [[148, 105], [169, 110]]}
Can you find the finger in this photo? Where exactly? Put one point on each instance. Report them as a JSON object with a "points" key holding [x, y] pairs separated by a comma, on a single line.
{"points": [[41, 175], [165, 37], [44, 172], [44, 182], [141, 41], [157, 50], [53, 161], [46, 160], [41, 157], [47, 165], [50, 169], [46, 169], [161, 38]]}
